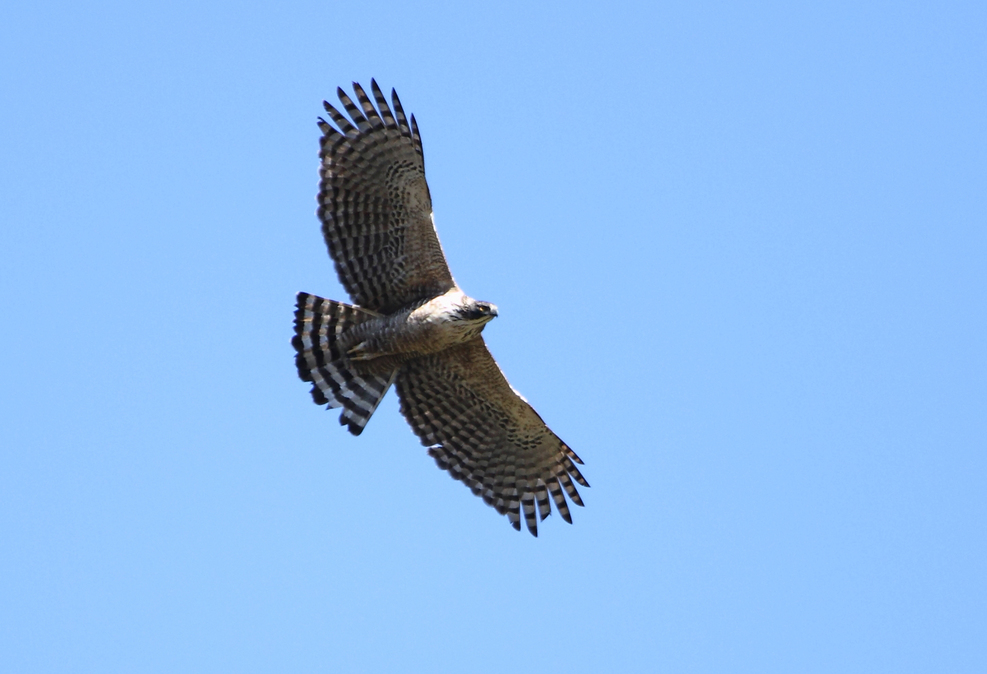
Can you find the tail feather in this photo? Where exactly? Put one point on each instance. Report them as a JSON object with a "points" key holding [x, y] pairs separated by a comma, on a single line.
{"points": [[336, 381]]}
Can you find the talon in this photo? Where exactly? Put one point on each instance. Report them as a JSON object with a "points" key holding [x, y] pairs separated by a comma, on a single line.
{"points": [[358, 352]]}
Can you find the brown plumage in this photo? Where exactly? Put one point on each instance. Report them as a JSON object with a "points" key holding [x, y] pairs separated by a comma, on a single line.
{"points": [[414, 326]]}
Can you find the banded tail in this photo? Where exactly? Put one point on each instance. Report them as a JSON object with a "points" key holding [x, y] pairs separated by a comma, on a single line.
{"points": [[336, 381]]}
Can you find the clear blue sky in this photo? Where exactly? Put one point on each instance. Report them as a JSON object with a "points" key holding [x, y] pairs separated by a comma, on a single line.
{"points": [[740, 255]]}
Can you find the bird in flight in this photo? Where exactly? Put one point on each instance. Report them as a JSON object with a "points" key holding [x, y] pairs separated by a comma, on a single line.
{"points": [[410, 325]]}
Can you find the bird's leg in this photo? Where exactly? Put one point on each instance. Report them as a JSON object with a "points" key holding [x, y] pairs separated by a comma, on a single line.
{"points": [[360, 351], [369, 349]]}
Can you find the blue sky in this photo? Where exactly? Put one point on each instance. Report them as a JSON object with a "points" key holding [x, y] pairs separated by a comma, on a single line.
{"points": [[739, 255]]}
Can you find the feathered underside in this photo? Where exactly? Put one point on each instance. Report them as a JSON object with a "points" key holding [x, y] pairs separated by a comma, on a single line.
{"points": [[375, 206], [376, 215], [478, 429]]}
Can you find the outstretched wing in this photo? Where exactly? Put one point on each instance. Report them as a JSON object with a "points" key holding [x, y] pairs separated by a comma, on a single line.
{"points": [[480, 430], [375, 206]]}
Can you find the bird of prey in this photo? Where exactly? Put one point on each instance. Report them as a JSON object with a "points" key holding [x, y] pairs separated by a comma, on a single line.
{"points": [[412, 326]]}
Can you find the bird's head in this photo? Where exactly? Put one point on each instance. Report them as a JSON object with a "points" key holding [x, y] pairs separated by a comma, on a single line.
{"points": [[475, 311]]}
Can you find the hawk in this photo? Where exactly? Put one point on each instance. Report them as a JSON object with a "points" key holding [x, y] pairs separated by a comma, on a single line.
{"points": [[410, 324]]}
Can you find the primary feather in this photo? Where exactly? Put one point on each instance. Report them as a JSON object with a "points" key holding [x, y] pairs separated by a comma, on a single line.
{"points": [[413, 325]]}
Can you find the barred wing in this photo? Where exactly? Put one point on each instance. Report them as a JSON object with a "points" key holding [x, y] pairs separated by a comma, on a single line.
{"points": [[480, 430], [375, 206]]}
